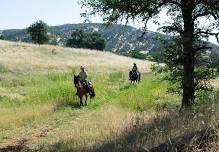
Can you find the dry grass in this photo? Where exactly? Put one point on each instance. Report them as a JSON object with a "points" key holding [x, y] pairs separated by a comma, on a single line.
{"points": [[112, 128], [215, 83], [27, 57], [85, 130]]}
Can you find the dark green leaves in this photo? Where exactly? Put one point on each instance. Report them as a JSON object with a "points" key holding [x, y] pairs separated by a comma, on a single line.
{"points": [[39, 32], [91, 40]]}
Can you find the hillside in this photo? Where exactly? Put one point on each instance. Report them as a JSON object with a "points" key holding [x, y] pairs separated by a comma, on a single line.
{"points": [[119, 38], [44, 58], [40, 112]]}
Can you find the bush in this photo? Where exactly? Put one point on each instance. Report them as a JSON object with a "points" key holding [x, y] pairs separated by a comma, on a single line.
{"points": [[137, 54], [2, 37], [92, 40]]}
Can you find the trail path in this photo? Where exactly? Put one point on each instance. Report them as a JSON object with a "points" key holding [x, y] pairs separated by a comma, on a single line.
{"points": [[83, 128]]}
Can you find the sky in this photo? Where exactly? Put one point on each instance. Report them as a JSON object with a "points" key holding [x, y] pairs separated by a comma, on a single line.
{"points": [[19, 14]]}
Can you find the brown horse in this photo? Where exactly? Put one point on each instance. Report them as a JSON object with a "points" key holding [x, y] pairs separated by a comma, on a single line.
{"points": [[82, 91]]}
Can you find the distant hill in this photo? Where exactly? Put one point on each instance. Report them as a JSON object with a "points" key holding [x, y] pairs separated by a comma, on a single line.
{"points": [[119, 38]]}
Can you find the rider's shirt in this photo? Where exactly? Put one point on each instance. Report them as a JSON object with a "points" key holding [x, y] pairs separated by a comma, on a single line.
{"points": [[82, 76]]}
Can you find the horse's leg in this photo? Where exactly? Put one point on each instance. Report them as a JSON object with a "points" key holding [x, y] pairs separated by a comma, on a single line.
{"points": [[81, 101], [86, 100]]}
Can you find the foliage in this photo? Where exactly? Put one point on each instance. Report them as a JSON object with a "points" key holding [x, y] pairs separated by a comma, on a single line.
{"points": [[215, 61], [137, 54], [185, 23], [90, 40], [54, 40], [155, 56], [2, 37], [172, 57], [39, 32]]}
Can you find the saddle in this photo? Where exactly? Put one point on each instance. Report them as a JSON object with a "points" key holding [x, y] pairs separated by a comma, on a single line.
{"points": [[86, 84]]}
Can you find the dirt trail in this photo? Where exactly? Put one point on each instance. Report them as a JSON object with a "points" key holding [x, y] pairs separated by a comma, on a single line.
{"points": [[86, 129]]}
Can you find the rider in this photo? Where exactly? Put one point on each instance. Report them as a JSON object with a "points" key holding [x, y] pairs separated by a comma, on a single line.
{"points": [[82, 75], [83, 78], [134, 68]]}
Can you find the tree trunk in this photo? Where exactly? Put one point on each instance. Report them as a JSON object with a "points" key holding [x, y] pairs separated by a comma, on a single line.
{"points": [[188, 57]]}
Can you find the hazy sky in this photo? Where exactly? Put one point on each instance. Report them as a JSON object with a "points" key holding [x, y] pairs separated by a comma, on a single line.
{"points": [[21, 13], [17, 14]]}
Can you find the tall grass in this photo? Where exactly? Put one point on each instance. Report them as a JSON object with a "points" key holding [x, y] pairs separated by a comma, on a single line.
{"points": [[167, 130], [41, 95], [38, 104]]}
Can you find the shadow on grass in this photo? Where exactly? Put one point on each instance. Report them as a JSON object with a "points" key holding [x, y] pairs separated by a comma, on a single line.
{"points": [[19, 147], [68, 101], [167, 131]]}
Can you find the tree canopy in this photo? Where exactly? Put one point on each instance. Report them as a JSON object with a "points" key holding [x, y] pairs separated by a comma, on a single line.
{"points": [[186, 23], [2, 37], [39, 32], [90, 40]]}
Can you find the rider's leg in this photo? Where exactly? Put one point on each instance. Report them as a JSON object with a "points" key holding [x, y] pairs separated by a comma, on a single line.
{"points": [[88, 85]]}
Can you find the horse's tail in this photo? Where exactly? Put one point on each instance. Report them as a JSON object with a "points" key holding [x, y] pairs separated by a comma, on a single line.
{"points": [[92, 93]]}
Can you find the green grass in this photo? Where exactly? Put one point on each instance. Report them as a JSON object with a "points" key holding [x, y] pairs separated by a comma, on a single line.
{"points": [[32, 96], [48, 100]]}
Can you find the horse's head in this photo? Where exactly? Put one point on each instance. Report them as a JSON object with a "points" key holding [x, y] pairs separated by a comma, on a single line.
{"points": [[76, 79]]}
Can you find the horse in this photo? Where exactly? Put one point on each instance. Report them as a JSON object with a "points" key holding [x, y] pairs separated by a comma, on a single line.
{"points": [[134, 76], [82, 91]]}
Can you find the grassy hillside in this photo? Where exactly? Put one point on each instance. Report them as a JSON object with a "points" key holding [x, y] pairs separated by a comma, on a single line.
{"points": [[40, 112]]}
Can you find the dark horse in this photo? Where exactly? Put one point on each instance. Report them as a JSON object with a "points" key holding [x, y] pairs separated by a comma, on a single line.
{"points": [[134, 76], [83, 91]]}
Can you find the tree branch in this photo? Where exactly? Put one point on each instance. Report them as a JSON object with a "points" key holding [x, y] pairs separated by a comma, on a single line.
{"points": [[207, 34]]}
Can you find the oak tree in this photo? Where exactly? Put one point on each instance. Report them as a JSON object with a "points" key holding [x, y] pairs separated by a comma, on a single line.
{"points": [[186, 22], [39, 32]]}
